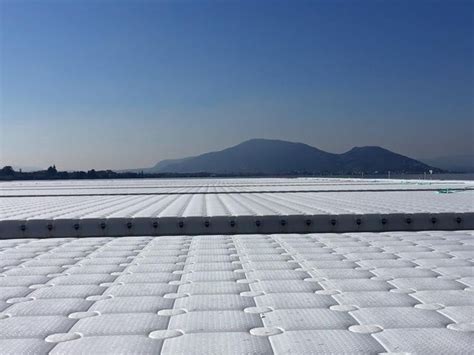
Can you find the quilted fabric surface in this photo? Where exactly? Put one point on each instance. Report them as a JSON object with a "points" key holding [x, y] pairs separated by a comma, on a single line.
{"points": [[239, 294]]}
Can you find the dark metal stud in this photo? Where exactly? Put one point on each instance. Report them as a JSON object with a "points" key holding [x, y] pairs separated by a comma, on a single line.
{"points": [[283, 222], [181, 224], [458, 219], [23, 227], [408, 220], [358, 221], [333, 221], [258, 223], [49, 226], [308, 222], [384, 221], [434, 220], [76, 226], [103, 225], [155, 224], [129, 225], [206, 223], [232, 223]]}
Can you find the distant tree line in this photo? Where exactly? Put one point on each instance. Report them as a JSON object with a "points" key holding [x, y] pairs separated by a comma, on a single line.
{"points": [[51, 173], [7, 173]]}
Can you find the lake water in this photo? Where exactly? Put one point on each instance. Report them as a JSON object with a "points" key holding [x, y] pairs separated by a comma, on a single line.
{"points": [[463, 176]]}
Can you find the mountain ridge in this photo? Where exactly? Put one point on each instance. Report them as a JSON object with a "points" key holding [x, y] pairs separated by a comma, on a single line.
{"points": [[271, 156]]}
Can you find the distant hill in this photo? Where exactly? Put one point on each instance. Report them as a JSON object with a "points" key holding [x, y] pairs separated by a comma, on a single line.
{"points": [[264, 156], [371, 159]]}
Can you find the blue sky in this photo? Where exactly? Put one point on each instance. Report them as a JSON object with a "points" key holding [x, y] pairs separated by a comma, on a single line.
{"points": [[123, 84]]}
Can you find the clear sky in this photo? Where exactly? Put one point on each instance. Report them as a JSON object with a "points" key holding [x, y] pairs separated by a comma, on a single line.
{"points": [[123, 84]]}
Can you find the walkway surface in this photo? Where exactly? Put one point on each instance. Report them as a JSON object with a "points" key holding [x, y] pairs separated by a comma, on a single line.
{"points": [[85, 208], [237, 266], [239, 294]]}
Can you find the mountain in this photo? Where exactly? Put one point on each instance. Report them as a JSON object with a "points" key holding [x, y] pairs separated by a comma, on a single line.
{"points": [[254, 156], [456, 163], [371, 159], [275, 157]]}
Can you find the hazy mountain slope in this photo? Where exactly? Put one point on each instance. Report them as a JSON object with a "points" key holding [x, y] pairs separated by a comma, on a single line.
{"points": [[281, 157], [371, 159], [254, 156]]}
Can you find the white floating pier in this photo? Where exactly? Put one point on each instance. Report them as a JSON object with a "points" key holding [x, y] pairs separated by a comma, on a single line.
{"points": [[236, 266], [394, 292], [231, 206]]}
